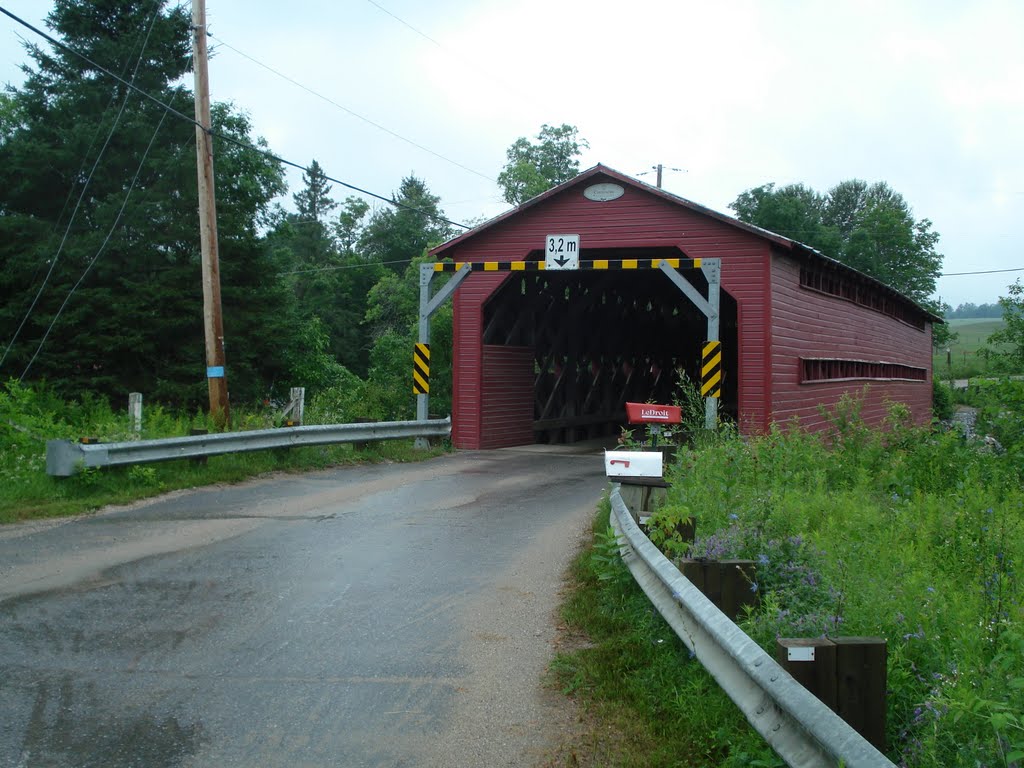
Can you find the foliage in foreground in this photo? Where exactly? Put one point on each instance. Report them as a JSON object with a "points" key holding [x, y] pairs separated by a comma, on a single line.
{"points": [[902, 533], [31, 416], [654, 703]]}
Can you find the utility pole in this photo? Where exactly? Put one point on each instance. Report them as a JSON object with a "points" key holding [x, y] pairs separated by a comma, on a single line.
{"points": [[660, 168], [213, 323]]}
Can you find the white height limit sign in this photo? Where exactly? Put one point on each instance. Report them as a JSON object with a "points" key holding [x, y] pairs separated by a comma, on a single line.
{"points": [[562, 252]]}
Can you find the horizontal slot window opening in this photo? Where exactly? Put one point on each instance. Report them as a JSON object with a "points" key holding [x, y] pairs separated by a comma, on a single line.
{"points": [[835, 284], [815, 369]]}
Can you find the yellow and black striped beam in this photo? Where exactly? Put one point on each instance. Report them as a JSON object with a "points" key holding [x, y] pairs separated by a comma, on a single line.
{"points": [[711, 370], [421, 370], [537, 266]]}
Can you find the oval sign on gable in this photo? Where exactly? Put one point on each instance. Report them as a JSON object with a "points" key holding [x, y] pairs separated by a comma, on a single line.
{"points": [[602, 193]]}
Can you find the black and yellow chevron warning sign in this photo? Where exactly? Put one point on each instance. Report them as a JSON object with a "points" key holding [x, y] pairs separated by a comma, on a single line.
{"points": [[421, 370], [711, 370]]}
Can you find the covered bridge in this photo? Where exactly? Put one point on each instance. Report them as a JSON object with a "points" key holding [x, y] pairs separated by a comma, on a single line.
{"points": [[552, 356]]}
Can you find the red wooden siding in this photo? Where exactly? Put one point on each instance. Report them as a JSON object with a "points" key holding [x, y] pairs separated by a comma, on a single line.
{"points": [[637, 219], [780, 323], [507, 394], [811, 324], [467, 357]]}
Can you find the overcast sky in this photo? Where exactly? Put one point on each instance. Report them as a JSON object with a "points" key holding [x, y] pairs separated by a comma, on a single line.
{"points": [[927, 96]]}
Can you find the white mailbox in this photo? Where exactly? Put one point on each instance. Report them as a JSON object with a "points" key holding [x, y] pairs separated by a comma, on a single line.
{"points": [[633, 463]]}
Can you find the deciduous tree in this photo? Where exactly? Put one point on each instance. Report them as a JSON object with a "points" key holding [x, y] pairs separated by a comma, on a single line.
{"points": [[1011, 336], [868, 227], [533, 168]]}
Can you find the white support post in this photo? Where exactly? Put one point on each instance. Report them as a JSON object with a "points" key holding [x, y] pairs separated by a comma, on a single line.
{"points": [[135, 411], [423, 400], [710, 307], [428, 306], [297, 407], [712, 269], [426, 275]]}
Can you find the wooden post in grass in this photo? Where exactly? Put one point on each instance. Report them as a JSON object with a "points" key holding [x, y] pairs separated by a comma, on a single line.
{"points": [[812, 663], [693, 570], [846, 673], [297, 395], [739, 586], [135, 410], [860, 685], [726, 583], [194, 432]]}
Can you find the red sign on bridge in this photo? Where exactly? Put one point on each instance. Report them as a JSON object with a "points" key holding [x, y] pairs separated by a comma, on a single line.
{"points": [[649, 413]]}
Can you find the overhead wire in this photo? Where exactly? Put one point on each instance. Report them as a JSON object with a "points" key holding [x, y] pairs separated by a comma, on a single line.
{"points": [[982, 272], [403, 22], [224, 137], [99, 251], [495, 74], [85, 158], [85, 187], [332, 102], [337, 267]]}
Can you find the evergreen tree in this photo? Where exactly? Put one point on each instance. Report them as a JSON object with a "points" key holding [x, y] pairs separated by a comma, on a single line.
{"points": [[72, 140], [330, 285], [396, 236]]}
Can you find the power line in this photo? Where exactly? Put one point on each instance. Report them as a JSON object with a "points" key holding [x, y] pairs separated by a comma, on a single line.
{"points": [[495, 74], [99, 251], [81, 196], [403, 22], [344, 266], [230, 139], [349, 111], [982, 272]]}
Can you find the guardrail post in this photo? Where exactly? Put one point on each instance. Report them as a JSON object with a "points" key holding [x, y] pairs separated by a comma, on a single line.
{"points": [[739, 586], [135, 410], [812, 663], [846, 673], [729, 584], [297, 395], [196, 432], [860, 685]]}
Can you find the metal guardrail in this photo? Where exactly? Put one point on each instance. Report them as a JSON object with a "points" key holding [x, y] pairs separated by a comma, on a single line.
{"points": [[64, 458], [801, 729]]}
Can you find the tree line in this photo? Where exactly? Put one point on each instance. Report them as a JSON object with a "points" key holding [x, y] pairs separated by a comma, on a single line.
{"points": [[99, 258]]}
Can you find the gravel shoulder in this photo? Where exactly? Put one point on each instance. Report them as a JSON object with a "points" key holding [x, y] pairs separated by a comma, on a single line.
{"points": [[504, 715]]}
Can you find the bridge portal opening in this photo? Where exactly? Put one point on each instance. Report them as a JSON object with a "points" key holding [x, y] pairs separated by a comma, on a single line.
{"points": [[565, 350]]}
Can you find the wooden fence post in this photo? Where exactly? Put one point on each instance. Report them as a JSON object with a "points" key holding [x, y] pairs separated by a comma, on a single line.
{"points": [[739, 586], [846, 673], [135, 410], [860, 685], [812, 663], [298, 404]]}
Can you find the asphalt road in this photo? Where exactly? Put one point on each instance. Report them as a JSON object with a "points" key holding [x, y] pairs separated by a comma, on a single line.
{"points": [[389, 615]]}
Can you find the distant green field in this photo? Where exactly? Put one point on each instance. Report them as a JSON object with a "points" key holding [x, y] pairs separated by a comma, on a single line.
{"points": [[972, 334]]}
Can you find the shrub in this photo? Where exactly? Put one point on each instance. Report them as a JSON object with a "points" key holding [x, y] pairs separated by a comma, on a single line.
{"points": [[902, 533]]}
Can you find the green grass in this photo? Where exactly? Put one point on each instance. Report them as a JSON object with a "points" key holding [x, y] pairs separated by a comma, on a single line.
{"points": [[648, 703], [905, 534], [30, 417], [964, 354]]}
